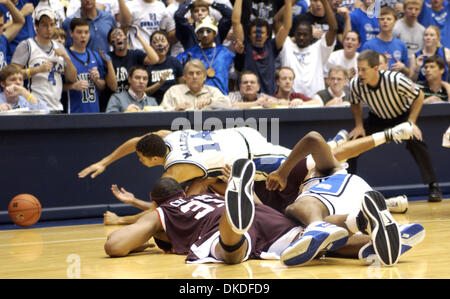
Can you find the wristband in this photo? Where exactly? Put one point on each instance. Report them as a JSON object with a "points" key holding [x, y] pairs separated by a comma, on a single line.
{"points": [[29, 97], [28, 72]]}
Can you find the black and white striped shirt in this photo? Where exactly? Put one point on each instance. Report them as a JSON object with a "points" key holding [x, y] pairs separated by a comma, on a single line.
{"points": [[391, 98]]}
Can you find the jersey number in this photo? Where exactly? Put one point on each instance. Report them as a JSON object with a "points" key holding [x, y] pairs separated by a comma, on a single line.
{"points": [[206, 135]]}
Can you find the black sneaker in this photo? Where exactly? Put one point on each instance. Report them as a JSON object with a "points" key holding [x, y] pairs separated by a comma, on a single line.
{"points": [[435, 193], [239, 196], [382, 228]]}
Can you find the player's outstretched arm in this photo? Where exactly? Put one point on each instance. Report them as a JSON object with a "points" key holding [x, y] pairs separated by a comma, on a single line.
{"points": [[123, 150]]}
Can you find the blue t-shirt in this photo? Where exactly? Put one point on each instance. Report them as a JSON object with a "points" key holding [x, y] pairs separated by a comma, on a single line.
{"points": [[439, 52], [440, 19], [3, 51], [171, 65], [261, 61], [367, 27], [219, 57], [85, 101], [395, 49], [27, 30], [99, 28]]}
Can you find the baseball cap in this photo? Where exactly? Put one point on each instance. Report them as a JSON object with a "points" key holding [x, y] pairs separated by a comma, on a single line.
{"points": [[45, 12]]}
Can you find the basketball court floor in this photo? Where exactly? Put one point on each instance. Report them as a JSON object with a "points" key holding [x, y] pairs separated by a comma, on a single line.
{"points": [[76, 251]]}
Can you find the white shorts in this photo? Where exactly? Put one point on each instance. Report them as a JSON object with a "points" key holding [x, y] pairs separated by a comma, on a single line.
{"points": [[341, 193]]}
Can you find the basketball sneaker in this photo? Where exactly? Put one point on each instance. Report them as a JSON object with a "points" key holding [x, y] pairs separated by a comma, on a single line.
{"points": [[411, 235], [240, 208], [317, 237], [381, 227], [340, 138], [403, 131], [397, 204]]}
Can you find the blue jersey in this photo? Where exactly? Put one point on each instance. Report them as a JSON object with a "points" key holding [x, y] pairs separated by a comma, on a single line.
{"points": [[441, 19], [367, 27], [85, 101], [394, 50]]}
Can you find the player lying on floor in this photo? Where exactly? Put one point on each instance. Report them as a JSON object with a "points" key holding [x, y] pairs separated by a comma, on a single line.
{"points": [[204, 218], [277, 200]]}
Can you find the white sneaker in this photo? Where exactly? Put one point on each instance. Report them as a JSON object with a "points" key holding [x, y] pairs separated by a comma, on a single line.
{"points": [[403, 131], [397, 204]]}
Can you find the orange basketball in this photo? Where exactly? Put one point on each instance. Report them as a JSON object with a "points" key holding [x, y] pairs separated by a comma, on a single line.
{"points": [[24, 210]]}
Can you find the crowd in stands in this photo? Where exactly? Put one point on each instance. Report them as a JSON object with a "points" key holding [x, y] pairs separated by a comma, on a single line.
{"points": [[91, 56]]}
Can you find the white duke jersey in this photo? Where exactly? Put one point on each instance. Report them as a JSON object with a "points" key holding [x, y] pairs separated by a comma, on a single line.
{"points": [[211, 150], [46, 86]]}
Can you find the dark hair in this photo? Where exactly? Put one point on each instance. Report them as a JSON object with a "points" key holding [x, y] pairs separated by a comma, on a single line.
{"points": [[151, 145], [158, 32], [355, 32], [303, 22], [136, 67], [372, 57], [387, 10], [163, 188], [261, 23], [437, 59], [111, 31], [78, 22]]}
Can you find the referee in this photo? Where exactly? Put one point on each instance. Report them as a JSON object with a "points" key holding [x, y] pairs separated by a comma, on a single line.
{"points": [[392, 99]]}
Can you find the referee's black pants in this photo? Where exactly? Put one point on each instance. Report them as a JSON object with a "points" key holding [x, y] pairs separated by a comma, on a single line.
{"points": [[418, 149]]}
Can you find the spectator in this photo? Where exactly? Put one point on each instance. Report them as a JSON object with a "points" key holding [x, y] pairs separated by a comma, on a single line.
{"points": [[316, 16], [408, 30], [134, 99], [284, 79], [392, 99], [45, 62], [92, 75], [146, 16], [165, 73], [123, 58], [101, 23], [345, 57], [216, 57], [437, 14], [56, 6], [185, 27], [384, 65], [259, 9], [26, 8], [432, 46], [307, 56], [258, 51], [14, 95], [384, 43], [248, 95], [366, 26], [59, 36], [435, 90], [9, 34], [194, 94], [337, 93]]}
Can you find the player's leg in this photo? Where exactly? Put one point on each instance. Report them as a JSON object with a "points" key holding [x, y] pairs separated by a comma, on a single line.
{"points": [[239, 213]]}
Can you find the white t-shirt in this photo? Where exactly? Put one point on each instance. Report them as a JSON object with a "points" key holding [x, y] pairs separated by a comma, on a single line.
{"points": [[148, 17], [308, 64], [338, 58]]}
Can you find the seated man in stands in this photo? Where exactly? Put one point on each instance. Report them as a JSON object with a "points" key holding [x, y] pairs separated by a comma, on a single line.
{"points": [[435, 90], [338, 92], [284, 79], [134, 99], [14, 95], [249, 94], [194, 94]]}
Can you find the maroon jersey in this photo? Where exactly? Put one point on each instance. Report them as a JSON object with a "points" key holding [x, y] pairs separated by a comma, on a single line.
{"points": [[188, 222], [280, 200]]}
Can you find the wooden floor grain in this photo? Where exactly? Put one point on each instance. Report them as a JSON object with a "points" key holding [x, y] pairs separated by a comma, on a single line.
{"points": [[77, 252]]}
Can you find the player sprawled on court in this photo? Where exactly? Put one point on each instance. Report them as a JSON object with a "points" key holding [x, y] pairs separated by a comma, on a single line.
{"points": [[235, 220]]}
